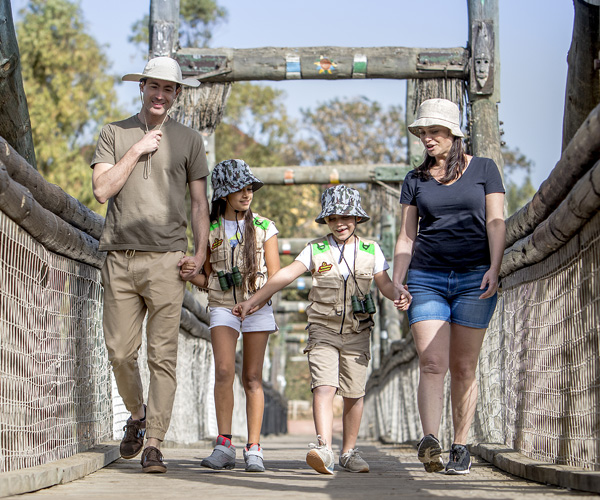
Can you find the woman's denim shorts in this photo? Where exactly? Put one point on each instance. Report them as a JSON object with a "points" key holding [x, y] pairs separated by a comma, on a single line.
{"points": [[449, 296]]}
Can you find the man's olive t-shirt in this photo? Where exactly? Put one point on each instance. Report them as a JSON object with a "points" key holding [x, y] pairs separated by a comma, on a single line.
{"points": [[149, 214]]}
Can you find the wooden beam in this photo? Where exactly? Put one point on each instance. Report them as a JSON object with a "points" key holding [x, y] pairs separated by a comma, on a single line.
{"points": [[48, 195], [580, 156], [330, 174], [55, 234], [15, 125], [583, 79], [321, 63]]}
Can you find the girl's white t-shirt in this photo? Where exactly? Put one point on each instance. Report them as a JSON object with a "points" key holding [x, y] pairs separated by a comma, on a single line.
{"points": [[347, 263], [231, 229]]}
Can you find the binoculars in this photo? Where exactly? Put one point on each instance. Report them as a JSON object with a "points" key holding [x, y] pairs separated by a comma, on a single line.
{"points": [[364, 305], [227, 280]]}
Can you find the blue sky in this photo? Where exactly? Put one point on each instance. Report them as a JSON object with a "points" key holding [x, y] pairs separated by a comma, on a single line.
{"points": [[535, 36]]}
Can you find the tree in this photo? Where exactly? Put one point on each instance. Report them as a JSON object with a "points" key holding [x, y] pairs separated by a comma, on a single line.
{"points": [[517, 167], [69, 91], [197, 19]]}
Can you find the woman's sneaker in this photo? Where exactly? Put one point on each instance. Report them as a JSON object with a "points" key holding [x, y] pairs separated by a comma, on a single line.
{"points": [[320, 457], [430, 454], [460, 460], [253, 457], [222, 457], [353, 462]]}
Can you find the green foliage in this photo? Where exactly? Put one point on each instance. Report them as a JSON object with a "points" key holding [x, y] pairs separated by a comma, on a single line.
{"points": [[197, 19], [517, 179], [352, 131], [69, 92]]}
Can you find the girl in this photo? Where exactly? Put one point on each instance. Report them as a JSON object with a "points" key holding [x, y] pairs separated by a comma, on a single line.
{"points": [[242, 253]]}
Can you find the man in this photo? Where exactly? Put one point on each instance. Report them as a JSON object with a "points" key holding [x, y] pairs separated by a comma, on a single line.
{"points": [[141, 167]]}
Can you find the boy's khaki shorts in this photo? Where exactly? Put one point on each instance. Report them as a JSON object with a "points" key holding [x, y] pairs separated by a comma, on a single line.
{"points": [[339, 360]]}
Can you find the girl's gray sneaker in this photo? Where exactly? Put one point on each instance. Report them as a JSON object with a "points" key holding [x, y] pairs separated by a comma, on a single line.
{"points": [[254, 458], [222, 457], [320, 457], [353, 462]]}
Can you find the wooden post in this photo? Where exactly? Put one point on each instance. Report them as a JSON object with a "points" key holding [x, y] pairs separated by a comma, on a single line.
{"points": [[583, 79], [484, 83], [15, 125], [164, 27]]}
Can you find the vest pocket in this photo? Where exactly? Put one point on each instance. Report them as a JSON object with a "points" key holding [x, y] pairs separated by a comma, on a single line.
{"points": [[324, 295]]}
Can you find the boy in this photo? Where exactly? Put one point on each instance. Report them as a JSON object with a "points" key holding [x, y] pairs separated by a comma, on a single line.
{"points": [[339, 320]]}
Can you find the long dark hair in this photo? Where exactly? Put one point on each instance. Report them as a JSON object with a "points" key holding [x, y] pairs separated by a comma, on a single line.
{"points": [[454, 165], [217, 210]]}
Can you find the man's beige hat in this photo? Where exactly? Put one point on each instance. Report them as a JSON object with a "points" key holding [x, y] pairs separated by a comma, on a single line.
{"points": [[162, 68], [437, 112]]}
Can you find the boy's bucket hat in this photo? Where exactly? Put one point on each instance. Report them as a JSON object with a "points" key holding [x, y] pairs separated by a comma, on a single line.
{"points": [[162, 68], [437, 112], [341, 200], [230, 176]]}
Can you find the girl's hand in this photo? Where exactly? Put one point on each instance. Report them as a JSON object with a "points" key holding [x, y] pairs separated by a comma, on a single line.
{"points": [[404, 299], [243, 309], [490, 280]]}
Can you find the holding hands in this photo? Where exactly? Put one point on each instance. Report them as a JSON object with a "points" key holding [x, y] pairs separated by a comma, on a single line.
{"points": [[404, 298]]}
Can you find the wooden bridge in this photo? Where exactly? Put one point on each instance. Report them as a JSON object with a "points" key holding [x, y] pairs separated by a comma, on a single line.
{"points": [[539, 375]]}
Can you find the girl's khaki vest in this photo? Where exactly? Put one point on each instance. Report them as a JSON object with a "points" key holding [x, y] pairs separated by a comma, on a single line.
{"points": [[223, 258], [331, 296]]}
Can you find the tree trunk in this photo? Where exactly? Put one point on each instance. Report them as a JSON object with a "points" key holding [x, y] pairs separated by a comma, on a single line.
{"points": [[14, 115], [321, 63], [583, 79], [484, 92], [50, 196]]}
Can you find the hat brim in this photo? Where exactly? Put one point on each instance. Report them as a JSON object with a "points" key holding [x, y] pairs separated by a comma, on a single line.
{"points": [[136, 77], [361, 214], [256, 185], [455, 130]]}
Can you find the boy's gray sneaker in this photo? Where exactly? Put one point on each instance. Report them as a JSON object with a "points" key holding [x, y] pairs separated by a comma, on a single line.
{"points": [[320, 457], [222, 457], [460, 460], [430, 454], [353, 462], [253, 457]]}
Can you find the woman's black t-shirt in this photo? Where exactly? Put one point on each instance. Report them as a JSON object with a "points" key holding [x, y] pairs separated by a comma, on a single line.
{"points": [[452, 233]]}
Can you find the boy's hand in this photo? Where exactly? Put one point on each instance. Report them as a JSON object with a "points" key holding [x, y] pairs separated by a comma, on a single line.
{"points": [[404, 298]]}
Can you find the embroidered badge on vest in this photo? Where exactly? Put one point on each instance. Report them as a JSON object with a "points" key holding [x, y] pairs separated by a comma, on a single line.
{"points": [[216, 244], [324, 267]]}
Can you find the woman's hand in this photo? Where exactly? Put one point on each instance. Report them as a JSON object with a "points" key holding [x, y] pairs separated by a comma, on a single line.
{"points": [[404, 298], [490, 280]]}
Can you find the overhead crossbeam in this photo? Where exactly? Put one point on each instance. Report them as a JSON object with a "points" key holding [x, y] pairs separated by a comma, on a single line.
{"points": [[322, 63]]}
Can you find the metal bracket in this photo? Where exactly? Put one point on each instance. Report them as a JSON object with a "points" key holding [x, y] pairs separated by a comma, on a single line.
{"points": [[391, 174]]}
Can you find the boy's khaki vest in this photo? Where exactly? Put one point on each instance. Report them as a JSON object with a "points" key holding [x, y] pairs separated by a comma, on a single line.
{"points": [[331, 296], [223, 258]]}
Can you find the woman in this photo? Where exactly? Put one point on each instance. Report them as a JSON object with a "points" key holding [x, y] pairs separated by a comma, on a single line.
{"points": [[450, 249]]}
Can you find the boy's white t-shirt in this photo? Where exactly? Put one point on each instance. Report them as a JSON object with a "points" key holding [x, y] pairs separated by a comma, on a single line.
{"points": [[231, 227], [347, 263]]}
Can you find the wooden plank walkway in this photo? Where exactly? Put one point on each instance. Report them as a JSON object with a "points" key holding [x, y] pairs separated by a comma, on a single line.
{"points": [[395, 473]]}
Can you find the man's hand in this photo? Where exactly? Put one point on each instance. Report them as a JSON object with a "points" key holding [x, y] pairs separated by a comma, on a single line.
{"points": [[190, 267], [150, 142]]}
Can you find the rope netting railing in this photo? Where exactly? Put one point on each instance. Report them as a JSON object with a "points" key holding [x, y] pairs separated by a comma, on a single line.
{"points": [[55, 394]]}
